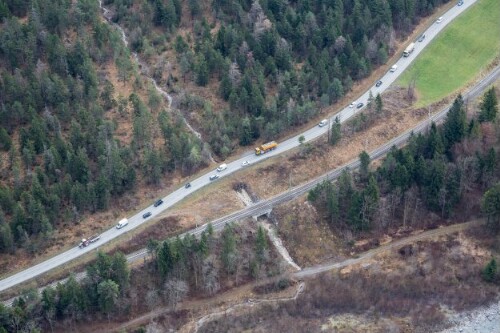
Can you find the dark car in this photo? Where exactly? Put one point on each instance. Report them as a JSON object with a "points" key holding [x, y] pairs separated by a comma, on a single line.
{"points": [[188, 185], [460, 3], [421, 38], [359, 106], [213, 177], [378, 84], [157, 203], [146, 215]]}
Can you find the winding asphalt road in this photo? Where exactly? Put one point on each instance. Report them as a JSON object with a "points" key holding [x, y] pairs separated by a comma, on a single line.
{"points": [[234, 166]]}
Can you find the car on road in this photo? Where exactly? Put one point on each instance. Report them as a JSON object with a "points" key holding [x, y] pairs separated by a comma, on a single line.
{"points": [[146, 215], [352, 104], [359, 106], [439, 20], [460, 3], [323, 123], [188, 185], [378, 84], [213, 177], [157, 203], [421, 38], [245, 163]]}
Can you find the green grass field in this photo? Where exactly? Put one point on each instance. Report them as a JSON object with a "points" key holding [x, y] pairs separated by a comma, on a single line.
{"points": [[458, 54]]}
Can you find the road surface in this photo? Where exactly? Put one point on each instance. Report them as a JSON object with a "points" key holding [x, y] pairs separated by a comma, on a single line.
{"points": [[264, 205], [234, 166]]}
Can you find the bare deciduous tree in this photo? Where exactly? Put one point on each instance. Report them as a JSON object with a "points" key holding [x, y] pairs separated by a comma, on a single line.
{"points": [[152, 299], [174, 291], [234, 74], [210, 275], [340, 43], [154, 327], [371, 50]]}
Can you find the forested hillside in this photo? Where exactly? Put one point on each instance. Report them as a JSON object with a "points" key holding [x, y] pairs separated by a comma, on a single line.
{"points": [[253, 69], [450, 173], [81, 125], [178, 269], [78, 126]]}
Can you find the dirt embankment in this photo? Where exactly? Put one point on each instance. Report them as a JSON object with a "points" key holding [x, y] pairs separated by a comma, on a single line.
{"points": [[417, 288]]}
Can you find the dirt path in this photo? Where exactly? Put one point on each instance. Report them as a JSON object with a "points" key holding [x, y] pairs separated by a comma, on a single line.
{"points": [[231, 300], [195, 326], [218, 303], [310, 271], [278, 244]]}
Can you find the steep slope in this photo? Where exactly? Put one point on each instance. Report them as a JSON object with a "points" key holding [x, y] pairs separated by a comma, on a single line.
{"points": [[248, 70], [79, 126]]}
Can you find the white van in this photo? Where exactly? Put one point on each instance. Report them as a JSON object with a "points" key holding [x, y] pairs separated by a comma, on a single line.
{"points": [[393, 68], [122, 223], [222, 167]]}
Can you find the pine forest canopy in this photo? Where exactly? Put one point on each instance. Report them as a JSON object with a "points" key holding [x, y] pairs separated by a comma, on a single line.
{"points": [[306, 52], [59, 113], [60, 110]]}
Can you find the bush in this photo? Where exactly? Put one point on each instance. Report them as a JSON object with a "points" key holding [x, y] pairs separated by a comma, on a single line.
{"points": [[490, 271]]}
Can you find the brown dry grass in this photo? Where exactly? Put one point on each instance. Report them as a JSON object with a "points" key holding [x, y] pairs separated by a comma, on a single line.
{"points": [[307, 238], [276, 175], [391, 292]]}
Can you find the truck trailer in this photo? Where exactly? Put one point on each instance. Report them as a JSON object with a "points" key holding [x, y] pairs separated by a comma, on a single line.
{"points": [[409, 49], [262, 149], [87, 241]]}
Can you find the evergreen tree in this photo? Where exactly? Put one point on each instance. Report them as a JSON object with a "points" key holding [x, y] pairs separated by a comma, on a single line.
{"points": [[490, 271], [355, 211], [49, 304], [433, 183], [203, 246], [260, 244], [228, 253], [364, 165], [370, 101], [455, 125], [120, 271], [489, 106], [165, 259], [332, 204], [371, 196], [246, 135], [345, 193], [5, 140], [490, 205], [6, 237], [153, 163], [378, 104], [108, 292], [201, 70], [435, 146], [336, 133]]}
